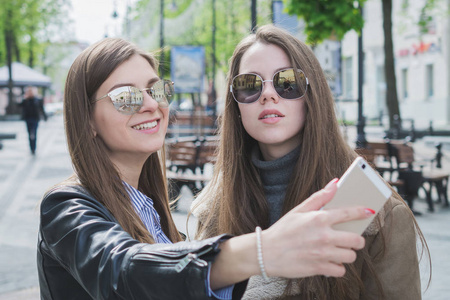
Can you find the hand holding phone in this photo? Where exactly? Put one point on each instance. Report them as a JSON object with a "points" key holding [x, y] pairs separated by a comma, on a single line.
{"points": [[359, 186]]}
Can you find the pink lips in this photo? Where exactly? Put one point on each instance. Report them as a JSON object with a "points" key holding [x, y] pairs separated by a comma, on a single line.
{"points": [[270, 116]]}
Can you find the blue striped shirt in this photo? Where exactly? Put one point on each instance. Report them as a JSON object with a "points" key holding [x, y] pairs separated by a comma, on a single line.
{"points": [[143, 206]]}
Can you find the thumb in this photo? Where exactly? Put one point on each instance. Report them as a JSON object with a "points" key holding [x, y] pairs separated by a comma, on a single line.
{"points": [[317, 200]]}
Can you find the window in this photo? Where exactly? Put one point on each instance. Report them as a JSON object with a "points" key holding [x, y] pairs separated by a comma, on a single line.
{"points": [[348, 77], [405, 83], [429, 82]]}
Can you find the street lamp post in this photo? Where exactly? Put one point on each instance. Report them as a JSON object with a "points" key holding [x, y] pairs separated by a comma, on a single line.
{"points": [[213, 58], [253, 12], [161, 39], [361, 141]]}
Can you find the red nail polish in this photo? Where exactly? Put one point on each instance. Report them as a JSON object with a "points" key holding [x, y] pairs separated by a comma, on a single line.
{"points": [[369, 211]]}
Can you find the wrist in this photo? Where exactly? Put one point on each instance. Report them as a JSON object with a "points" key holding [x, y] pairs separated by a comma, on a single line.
{"points": [[237, 261]]}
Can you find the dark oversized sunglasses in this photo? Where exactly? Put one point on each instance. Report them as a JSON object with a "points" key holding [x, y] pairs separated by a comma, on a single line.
{"points": [[289, 84], [128, 100]]}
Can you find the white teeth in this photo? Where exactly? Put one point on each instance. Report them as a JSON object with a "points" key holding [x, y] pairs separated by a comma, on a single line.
{"points": [[270, 116], [145, 126]]}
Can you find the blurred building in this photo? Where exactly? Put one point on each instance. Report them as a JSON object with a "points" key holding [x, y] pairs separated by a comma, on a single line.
{"points": [[422, 64]]}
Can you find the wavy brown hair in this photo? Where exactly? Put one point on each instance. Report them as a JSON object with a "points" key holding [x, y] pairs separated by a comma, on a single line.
{"points": [[324, 155], [94, 169]]}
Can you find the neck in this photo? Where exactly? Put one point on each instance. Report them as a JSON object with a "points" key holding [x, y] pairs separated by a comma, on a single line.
{"points": [[129, 168], [274, 151]]}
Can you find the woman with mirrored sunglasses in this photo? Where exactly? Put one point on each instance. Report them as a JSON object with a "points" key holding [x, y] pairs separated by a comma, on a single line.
{"points": [[107, 232], [280, 142]]}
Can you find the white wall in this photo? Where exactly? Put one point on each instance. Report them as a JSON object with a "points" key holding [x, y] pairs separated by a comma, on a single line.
{"points": [[407, 39]]}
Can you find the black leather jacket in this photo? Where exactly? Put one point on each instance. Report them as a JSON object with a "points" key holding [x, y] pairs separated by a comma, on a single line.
{"points": [[83, 253]]}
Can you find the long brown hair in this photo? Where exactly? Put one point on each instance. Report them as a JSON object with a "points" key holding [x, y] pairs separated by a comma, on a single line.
{"points": [[94, 169], [324, 155]]}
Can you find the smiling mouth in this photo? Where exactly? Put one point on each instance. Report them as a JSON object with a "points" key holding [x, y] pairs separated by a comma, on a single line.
{"points": [[270, 116], [145, 126]]}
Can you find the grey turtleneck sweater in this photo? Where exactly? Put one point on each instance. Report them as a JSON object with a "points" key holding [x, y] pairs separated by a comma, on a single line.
{"points": [[275, 176]]}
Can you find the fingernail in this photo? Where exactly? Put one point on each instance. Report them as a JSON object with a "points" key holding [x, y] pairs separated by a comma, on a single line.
{"points": [[369, 211], [331, 183]]}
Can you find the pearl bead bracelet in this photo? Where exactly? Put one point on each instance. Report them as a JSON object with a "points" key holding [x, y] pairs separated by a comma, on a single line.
{"points": [[259, 253]]}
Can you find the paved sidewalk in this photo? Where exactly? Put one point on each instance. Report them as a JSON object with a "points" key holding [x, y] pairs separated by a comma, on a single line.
{"points": [[24, 179]]}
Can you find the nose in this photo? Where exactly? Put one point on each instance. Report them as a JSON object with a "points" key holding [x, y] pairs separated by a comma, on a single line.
{"points": [[268, 92], [148, 103]]}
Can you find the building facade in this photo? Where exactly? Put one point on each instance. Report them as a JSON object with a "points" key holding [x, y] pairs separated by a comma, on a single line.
{"points": [[422, 64]]}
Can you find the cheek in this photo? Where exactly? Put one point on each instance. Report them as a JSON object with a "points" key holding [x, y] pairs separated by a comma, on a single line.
{"points": [[107, 122], [300, 110], [248, 117], [165, 118]]}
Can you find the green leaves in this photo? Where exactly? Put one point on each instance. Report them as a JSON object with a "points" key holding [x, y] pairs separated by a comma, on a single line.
{"points": [[327, 18], [31, 25], [189, 22]]}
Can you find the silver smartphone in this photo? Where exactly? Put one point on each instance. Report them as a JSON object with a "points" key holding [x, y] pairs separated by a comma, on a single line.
{"points": [[359, 186]]}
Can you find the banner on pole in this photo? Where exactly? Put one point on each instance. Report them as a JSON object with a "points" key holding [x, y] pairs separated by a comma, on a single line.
{"points": [[188, 68]]}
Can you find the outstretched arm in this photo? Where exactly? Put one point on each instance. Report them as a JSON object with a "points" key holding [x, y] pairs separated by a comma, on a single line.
{"points": [[301, 244]]}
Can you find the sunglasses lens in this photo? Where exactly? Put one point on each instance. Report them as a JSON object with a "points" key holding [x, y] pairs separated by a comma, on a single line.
{"points": [[290, 84], [127, 99], [247, 88], [162, 92]]}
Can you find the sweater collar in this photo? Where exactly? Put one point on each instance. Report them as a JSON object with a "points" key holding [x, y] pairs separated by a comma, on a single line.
{"points": [[276, 171]]}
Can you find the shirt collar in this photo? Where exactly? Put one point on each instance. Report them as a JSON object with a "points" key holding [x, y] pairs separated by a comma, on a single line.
{"points": [[138, 199]]}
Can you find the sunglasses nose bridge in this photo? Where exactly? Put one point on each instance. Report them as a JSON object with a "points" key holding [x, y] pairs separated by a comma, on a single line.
{"points": [[264, 83], [268, 88], [148, 100]]}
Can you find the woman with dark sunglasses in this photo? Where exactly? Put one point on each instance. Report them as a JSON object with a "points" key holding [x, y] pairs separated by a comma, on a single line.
{"points": [[277, 146], [107, 232]]}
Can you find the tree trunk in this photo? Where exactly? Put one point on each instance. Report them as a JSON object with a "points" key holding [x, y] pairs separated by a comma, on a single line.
{"points": [[8, 44], [389, 66], [31, 53], [16, 48]]}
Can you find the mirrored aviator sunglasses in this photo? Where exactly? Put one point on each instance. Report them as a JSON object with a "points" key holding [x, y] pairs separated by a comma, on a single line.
{"points": [[128, 100], [290, 84]]}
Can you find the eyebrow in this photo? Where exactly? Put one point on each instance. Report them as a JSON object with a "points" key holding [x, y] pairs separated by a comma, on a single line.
{"points": [[149, 83], [276, 70]]}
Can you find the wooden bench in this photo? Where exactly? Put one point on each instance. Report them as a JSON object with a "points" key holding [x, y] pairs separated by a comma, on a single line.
{"points": [[182, 156], [182, 123], [195, 182], [405, 162], [186, 156], [6, 136], [192, 118], [191, 152], [377, 155]]}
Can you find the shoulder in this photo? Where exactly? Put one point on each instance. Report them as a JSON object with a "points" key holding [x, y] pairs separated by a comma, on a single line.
{"points": [[67, 187], [205, 209], [394, 209], [67, 207], [274, 288], [204, 202], [66, 195]]}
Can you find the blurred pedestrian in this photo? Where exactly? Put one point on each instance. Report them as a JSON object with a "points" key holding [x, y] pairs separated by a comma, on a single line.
{"points": [[32, 110]]}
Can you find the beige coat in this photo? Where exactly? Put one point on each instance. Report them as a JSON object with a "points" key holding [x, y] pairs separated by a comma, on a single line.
{"points": [[398, 269]]}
